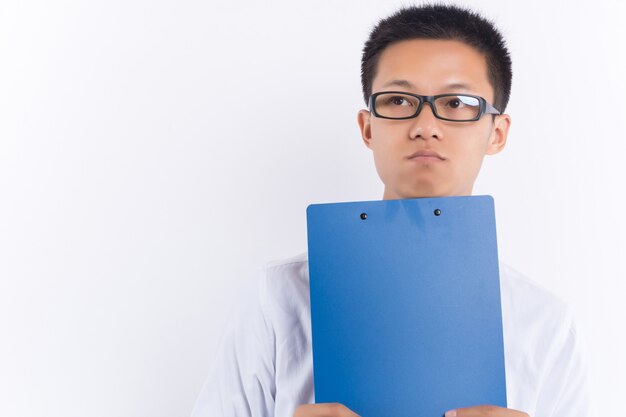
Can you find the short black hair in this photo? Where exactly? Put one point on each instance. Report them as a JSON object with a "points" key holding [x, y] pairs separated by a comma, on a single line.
{"points": [[445, 22]]}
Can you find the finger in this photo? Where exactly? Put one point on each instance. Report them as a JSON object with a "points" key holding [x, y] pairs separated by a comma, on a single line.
{"points": [[485, 411], [324, 410]]}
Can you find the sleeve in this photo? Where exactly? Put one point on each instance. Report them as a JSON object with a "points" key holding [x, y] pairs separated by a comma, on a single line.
{"points": [[565, 387], [241, 380]]}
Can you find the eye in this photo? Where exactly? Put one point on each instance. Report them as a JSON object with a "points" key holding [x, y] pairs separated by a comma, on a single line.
{"points": [[454, 103], [398, 100]]}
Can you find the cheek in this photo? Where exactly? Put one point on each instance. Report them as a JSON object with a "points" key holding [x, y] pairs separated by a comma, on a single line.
{"points": [[470, 149], [385, 142], [470, 141], [389, 132], [388, 146], [469, 153]]}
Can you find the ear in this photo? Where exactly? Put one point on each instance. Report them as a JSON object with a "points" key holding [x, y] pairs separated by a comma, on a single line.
{"points": [[499, 133], [363, 118]]}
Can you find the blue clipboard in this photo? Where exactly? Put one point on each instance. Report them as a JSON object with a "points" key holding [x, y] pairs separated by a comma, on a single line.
{"points": [[406, 317]]}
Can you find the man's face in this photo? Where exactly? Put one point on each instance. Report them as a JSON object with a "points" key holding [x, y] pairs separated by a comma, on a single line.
{"points": [[431, 67]]}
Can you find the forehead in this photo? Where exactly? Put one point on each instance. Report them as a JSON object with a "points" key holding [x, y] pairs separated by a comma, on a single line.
{"points": [[430, 66]]}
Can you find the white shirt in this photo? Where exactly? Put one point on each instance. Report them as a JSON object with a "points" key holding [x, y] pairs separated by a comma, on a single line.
{"points": [[264, 363]]}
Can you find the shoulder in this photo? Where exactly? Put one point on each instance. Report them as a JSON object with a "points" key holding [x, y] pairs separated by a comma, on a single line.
{"points": [[287, 272], [288, 264], [535, 321], [545, 368], [524, 298], [285, 285]]}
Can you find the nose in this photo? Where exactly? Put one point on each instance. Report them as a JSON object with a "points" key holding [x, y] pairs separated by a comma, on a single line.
{"points": [[424, 124], [424, 105]]}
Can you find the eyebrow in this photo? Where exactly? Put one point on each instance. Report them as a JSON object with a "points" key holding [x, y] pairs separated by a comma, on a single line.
{"points": [[405, 83]]}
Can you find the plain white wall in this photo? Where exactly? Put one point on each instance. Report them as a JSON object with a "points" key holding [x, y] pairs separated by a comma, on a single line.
{"points": [[135, 206]]}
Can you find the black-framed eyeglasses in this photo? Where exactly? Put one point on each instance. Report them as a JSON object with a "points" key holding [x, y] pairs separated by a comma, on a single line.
{"points": [[452, 107]]}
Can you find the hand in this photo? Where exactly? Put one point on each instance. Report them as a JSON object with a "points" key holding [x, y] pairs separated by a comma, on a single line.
{"points": [[485, 411], [324, 410]]}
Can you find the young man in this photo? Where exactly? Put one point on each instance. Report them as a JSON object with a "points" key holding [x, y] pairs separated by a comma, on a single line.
{"points": [[424, 145]]}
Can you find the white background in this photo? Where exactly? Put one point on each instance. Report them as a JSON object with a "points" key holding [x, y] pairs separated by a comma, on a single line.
{"points": [[154, 154]]}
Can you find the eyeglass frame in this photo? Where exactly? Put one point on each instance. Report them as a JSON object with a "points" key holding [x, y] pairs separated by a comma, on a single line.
{"points": [[484, 106]]}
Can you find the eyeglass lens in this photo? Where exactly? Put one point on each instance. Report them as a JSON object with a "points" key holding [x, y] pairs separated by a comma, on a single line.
{"points": [[456, 107]]}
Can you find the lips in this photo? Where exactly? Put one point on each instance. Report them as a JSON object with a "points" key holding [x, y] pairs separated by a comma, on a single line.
{"points": [[425, 153]]}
